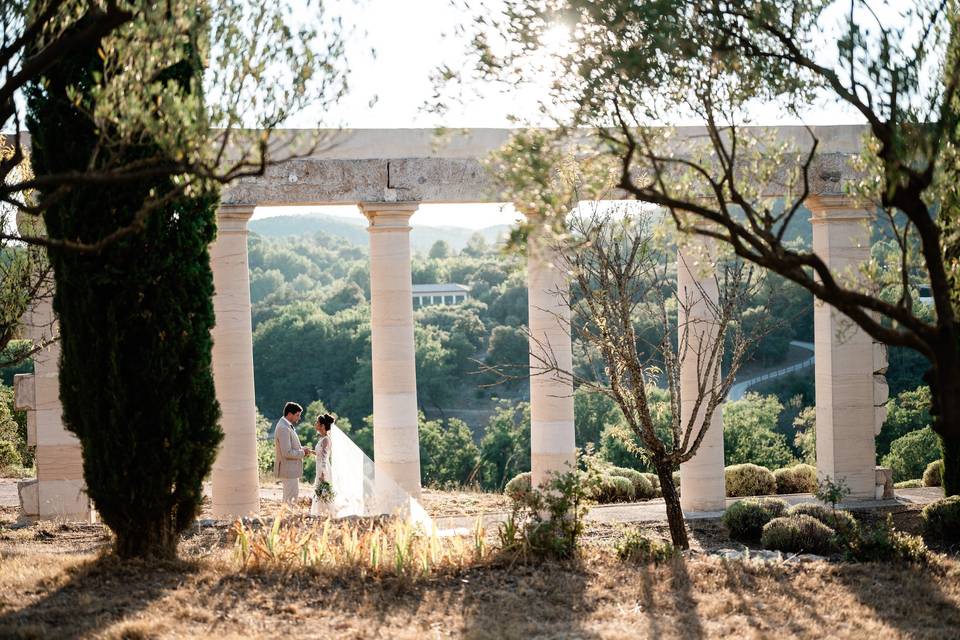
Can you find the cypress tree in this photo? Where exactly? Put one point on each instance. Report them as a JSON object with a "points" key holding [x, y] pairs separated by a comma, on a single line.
{"points": [[135, 319]]}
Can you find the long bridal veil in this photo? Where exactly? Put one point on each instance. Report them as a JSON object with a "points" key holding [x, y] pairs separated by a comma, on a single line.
{"points": [[359, 490]]}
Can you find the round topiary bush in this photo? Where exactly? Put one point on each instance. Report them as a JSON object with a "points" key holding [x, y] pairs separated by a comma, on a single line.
{"points": [[908, 484], [842, 522], [745, 519], [798, 534], [800, 478], [941, 519], [933, 474], [676, 480], [749, 480], [612, 489], [642, 488], [655, 483], [519, 487]]}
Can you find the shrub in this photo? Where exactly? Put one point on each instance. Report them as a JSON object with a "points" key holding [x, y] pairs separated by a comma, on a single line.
{"points": [[800, 478], [941, 519], [9, 454], [546, 524], [831, 491], [933, 474], [266, 454], [749, 480], [910, 454], [519, 487], [882, 543], [655, 483], [637, 547], [642, 487], [799, 533], [840, 521], [745, 519], [676, 481], [609, 489], [909, 484]]}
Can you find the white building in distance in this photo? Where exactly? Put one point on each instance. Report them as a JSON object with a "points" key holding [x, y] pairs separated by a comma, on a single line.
{"points": [[427, 294]]}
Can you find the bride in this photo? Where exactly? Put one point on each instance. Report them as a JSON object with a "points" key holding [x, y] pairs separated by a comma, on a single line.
{"points": [[323, 493]]}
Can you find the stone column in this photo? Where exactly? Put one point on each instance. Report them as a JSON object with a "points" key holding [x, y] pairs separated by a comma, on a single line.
{"points": [[396, 445], [59, 490], [235, 476], [552, 436], [702, 483], [845, 354]]}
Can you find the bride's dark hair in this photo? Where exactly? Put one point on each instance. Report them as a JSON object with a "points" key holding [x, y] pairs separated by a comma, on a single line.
{"points": [[326, 420]]}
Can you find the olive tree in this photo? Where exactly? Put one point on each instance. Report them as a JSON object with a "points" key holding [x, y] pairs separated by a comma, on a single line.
{"points": [[622, 67]]}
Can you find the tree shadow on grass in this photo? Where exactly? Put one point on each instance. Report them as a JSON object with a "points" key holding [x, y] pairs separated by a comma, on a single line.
{"points": [[907, 597], [96, 595], [539, 599], [741, 580]]}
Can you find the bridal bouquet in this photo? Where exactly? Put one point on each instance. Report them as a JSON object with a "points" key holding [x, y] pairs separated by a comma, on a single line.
{"points": [[324, 491]]}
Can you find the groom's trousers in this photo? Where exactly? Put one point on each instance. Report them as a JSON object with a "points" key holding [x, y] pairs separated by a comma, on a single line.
{"points": [[291, 489]]}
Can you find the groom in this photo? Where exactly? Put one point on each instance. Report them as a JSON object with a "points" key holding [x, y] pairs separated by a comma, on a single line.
{"points": [[288, 465]]}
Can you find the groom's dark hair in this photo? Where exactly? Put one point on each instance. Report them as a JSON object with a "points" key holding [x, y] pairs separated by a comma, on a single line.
{"points": [[291, 407]]}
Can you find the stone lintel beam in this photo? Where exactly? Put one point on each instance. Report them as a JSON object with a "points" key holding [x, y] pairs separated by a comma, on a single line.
{"points": [[333, 181]]}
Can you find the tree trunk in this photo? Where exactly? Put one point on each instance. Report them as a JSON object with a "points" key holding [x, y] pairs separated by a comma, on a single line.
{"points": [[945, 392], [951, 465], [671, 497], [147, 540]]}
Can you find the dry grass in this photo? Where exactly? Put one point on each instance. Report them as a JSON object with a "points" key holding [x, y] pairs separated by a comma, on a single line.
{"points": [[55, 583], [462, 503]]}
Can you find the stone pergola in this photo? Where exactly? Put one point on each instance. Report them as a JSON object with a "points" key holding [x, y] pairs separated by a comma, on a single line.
{"points": [[388, 174]]}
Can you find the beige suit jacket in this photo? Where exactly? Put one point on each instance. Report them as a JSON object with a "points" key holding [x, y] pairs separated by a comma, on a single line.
{"points": [[289, 453]]}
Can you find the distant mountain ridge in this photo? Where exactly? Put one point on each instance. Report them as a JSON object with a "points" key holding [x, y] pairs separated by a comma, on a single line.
{"points": [[354, 230]]}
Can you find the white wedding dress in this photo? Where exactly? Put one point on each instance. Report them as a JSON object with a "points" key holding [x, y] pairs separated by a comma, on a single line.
{"points": [[358, 490], [324, 473]]}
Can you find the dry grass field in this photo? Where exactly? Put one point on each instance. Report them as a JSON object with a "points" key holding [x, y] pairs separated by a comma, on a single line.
{"points": [[57, 582]]}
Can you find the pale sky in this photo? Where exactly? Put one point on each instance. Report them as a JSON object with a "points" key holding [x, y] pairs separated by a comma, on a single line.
{"points": [[410, 42]]}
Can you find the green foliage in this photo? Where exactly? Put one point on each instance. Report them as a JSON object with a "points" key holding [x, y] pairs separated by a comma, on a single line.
{"points": [[749, 432], [906, 413], [505, 447], [880, 542], [941, 519], [634, 546], [745, 519], [908, 484], [593, 413], [440, 250], [448, 454], [136, 316], [643, 487], [508, 354], [266, 448], [518, 487], [749, 480], [621, 446], [910, 454], [933, 474], [805, 438], [798, 534], [608, 489], [546, 523], [832, 491], [800, 478], [14, 451], [842, 522]]}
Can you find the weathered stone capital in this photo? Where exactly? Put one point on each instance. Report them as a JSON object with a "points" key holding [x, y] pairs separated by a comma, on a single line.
{"points": [[233, 218], [832, 208], [388, 216]]}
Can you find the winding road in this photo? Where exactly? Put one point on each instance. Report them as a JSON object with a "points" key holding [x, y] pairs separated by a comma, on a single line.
{"points": [[738, 390]]}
